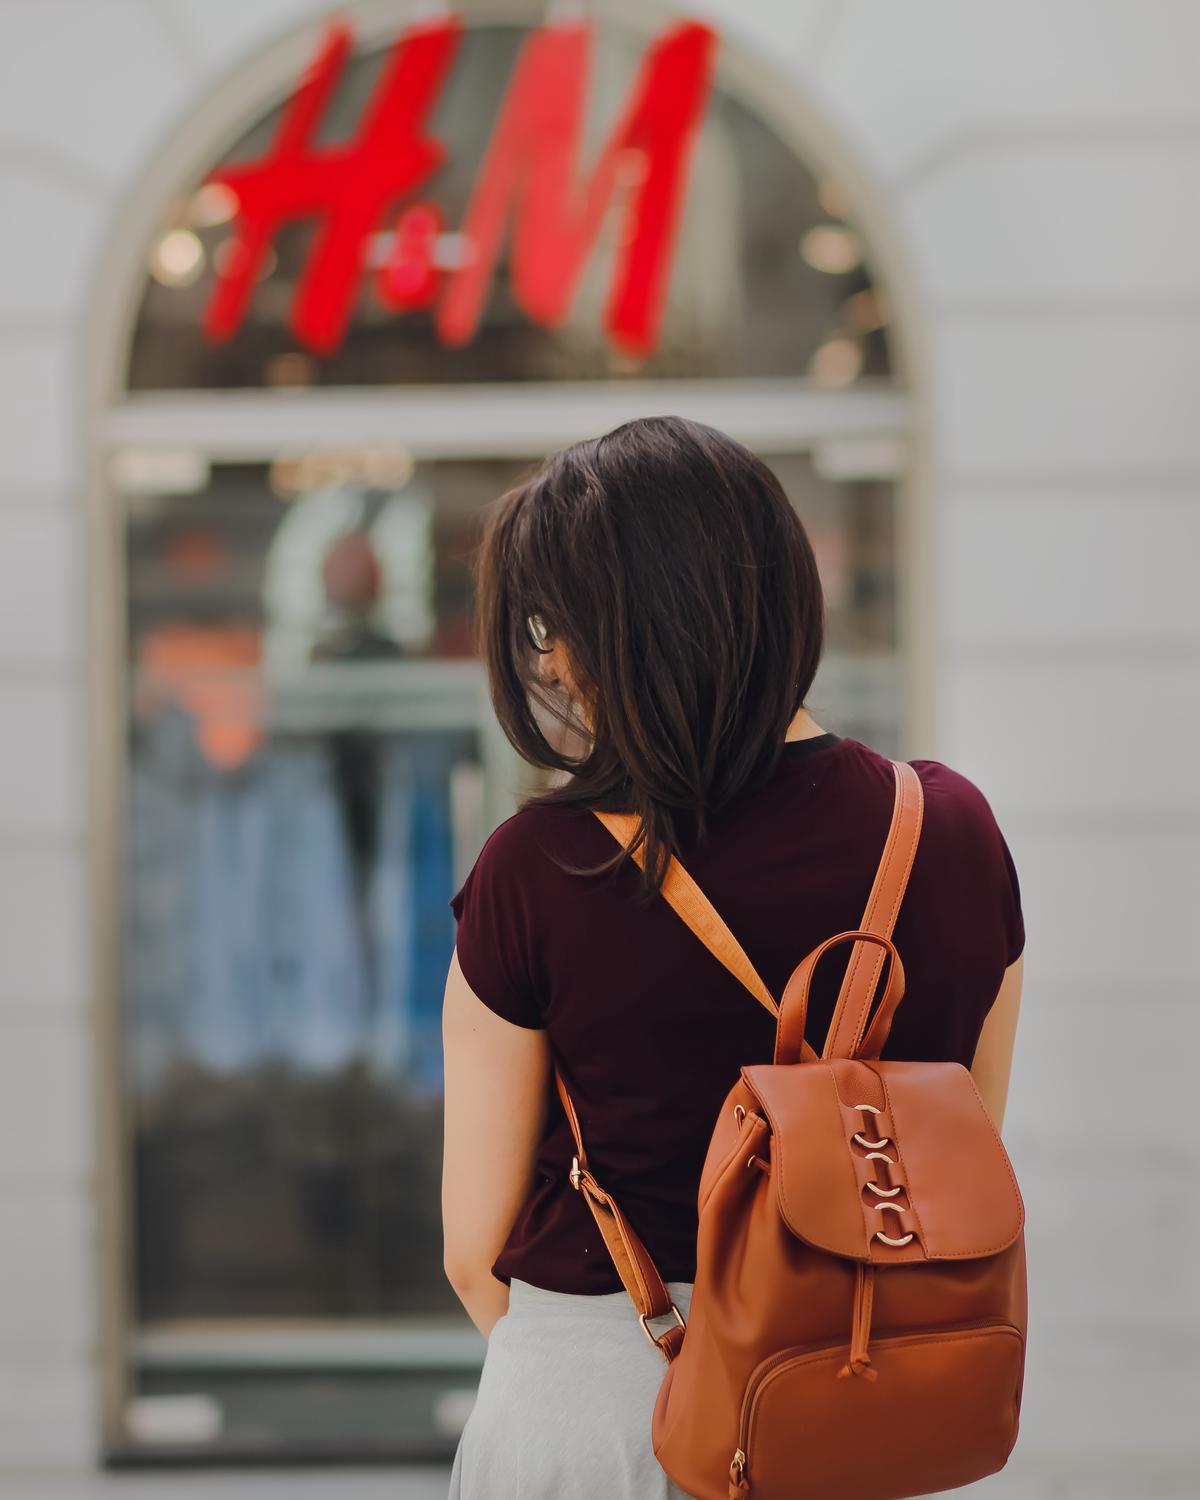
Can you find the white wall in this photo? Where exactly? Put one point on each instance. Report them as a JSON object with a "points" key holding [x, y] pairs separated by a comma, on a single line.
{"points": [[1037, 160]]}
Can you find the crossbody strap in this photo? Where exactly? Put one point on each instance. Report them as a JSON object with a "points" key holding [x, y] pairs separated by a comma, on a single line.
{"points": [[633, 1262], [686, 897]]}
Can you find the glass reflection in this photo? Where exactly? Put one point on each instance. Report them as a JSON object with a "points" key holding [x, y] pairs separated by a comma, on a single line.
{"points": [[301, 795]]}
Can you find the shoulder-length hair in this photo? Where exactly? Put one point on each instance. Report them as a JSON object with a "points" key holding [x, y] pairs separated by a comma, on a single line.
{"points": [[670, 563]]}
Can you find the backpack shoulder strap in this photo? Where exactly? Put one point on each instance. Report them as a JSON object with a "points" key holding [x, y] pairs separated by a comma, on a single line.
{"points": [[697, 911], [634, 1264], [845, 1035]]}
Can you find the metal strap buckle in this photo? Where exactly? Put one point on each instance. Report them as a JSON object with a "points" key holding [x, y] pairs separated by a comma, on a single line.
{"points": [[657, 1342]]}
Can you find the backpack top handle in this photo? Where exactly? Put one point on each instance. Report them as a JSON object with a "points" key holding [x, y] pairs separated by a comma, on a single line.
{"points": [[794, 1009]]}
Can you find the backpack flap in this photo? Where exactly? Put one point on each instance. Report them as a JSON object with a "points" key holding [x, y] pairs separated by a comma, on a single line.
{"points": [[887, 1162]]}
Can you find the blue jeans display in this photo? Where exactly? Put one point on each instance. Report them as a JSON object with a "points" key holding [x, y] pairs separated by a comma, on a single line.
{"points": [[251, 938]]}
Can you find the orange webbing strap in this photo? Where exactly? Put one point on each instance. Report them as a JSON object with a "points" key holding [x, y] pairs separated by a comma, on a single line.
{"points": [[686, 897], [639, 1275], [845, 1036]]}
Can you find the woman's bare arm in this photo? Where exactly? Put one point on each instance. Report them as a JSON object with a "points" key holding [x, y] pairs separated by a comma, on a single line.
{"points": [[496, 1089], [992, 1063]]}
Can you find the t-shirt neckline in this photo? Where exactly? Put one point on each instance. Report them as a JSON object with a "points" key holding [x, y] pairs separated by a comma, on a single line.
{"points": [[812, 743]]}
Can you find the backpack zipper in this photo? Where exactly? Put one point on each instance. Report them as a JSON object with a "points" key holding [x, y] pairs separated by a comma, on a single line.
{"points": [[739, 1467], [739, 1483]]}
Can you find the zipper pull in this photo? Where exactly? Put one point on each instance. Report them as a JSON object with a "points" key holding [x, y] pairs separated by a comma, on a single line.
{"points": [[738, 1485]]}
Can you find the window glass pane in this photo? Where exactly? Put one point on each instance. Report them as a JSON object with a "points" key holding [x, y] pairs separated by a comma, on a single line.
{"points": [[305, 746]]}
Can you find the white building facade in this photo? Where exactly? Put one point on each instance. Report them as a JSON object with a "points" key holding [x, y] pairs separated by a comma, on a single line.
{"points": [[1023, 175]]}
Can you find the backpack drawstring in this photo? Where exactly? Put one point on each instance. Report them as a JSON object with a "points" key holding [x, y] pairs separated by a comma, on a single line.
{"points": [[859, 1362]]}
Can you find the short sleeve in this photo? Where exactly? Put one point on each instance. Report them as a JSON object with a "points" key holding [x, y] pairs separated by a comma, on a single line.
{"points": [[970, 839], [1014, 917], [1001, 870], [496, 941]]}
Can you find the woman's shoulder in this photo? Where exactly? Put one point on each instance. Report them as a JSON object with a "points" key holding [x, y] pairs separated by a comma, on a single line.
{"points": [[535, 830], [954, 797], [959, 822], [940, 781], [528, 847], [963, 862], [960, 831]]}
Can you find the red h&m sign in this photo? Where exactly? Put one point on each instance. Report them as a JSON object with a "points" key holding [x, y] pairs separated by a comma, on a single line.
{"points": [[528, 174]]}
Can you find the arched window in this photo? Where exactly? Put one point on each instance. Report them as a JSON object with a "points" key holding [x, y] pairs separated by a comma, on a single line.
{"points": [[311, 759]]}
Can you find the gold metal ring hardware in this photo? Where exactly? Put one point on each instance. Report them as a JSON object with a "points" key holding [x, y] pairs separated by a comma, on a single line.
{"points": [[882, 1191], [871, 1107], [880, 1156], [739, 1114], [871, 1145], [896, 1208], [656, 1341], [888, 1240]]}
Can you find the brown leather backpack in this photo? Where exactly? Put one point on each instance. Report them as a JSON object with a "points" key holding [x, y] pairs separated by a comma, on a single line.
{"points": [[857, 1324]]}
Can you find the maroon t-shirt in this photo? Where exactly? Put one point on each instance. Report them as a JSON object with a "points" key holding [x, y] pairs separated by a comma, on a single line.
{"points": [[647, 1026]]}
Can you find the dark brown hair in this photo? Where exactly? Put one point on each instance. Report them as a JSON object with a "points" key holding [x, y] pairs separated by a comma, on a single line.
{"points": [[668, 560]]}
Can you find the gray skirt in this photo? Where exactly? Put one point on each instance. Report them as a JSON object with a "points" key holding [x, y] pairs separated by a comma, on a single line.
{"points": [[565, 1401]]}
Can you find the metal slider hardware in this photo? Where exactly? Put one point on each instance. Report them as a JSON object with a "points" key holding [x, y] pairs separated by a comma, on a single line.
{"points": [[645, 1328]]}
